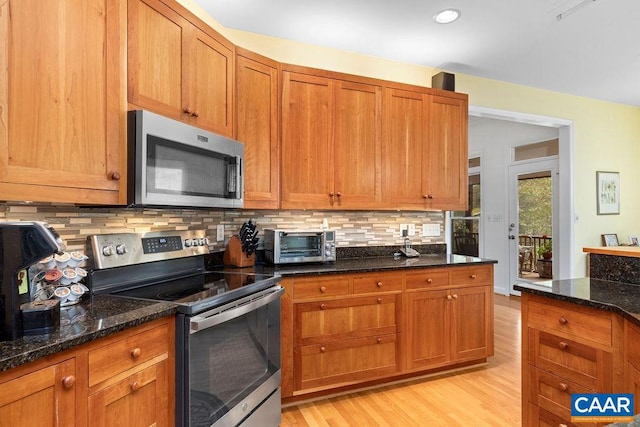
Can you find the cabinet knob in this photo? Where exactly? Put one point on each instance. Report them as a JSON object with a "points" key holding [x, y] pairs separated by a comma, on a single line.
{"points": [[188, 110], [195, 114], [322, 306], [323, 289], [473, 276], [429, 280], [449, 297], [68, 381], [563, 345], [427, 196], [135, 386], [563, 387], [331, 194], [562, 425], [379, 300], [379, 284], [136, 352], [563, 320], [339, 194], [115, 176], [379, 340], [455, 296], [323, 349]]}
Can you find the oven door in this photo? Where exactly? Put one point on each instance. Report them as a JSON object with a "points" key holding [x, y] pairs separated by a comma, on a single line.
{"points": [[230, 368]]}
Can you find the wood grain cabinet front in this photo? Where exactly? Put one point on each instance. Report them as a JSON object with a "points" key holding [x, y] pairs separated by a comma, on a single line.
{"points": [[43, 397], [62, 101], [179, 67]]}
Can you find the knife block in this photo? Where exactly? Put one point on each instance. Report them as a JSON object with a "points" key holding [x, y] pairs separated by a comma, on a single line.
{"points": [[234, 256]]}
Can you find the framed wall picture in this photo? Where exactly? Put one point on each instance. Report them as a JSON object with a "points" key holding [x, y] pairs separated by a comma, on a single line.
{"points": [[633, 241], [610, 240], [608, 192]]}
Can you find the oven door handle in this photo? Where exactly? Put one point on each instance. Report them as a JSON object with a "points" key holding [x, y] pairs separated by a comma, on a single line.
{"points": [[234, 309]]}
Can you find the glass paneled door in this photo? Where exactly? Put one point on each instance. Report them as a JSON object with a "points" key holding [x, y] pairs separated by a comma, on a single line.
{"points": [[465, 225]]}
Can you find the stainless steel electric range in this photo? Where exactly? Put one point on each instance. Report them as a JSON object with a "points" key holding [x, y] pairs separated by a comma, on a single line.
{"points": [[227, 326]]}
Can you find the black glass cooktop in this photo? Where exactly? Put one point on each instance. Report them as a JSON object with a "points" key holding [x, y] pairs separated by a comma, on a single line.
{"points": [[202, 291]]}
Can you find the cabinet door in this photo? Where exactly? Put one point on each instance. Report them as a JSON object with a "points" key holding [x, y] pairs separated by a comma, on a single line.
{"points": [[138, 400], [472, 314], [307, 148], [210, 83], [158, 55], [632, 376], [428, 328], [257, 127], [403, 152], [46, 397], [62, 126], [357, 145], [446, 154]]}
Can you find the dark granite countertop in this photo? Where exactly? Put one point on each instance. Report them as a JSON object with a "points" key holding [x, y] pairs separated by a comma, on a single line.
{"points": [[94, 318], [376, 263], [617, 297]]}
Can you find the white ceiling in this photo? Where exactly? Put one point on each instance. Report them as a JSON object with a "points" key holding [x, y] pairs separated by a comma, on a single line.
{"points": [[592, 52]]}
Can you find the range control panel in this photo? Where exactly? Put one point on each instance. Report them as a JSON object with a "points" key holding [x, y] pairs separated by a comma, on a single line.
{"points": [[121, 249]]}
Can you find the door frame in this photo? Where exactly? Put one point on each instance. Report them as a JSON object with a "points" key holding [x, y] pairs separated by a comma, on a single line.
{"points": [[565, 240]]}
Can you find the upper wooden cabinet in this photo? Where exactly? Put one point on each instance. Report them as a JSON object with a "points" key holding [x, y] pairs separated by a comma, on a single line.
{"points": [[178, 69], [425, 150], [331, 133], [257, 126], [62, 101]]}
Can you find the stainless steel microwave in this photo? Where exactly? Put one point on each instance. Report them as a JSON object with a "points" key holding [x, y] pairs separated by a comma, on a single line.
{"points": [[299, 246], [171, 163]]}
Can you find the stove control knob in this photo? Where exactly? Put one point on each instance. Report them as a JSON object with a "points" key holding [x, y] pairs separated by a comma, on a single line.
{"points": [[188, 242], [108, 250], [202, 242], [121, 249], [206, 241]]}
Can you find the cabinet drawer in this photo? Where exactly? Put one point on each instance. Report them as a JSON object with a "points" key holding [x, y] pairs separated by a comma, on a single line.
{"points": [[480, 275], [583, 324], [427, 279], [126, 353], [321, 287], [342, 319], [577, 362], [382, 282], [345, 361], [551, 392], [538, 417]]}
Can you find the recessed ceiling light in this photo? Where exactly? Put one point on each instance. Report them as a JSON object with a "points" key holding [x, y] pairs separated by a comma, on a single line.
{"points": [[446, 16]]}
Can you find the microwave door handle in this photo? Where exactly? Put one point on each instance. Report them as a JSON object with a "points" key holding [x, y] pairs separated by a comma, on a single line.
{"points": [[234, 176], [221, 315]]}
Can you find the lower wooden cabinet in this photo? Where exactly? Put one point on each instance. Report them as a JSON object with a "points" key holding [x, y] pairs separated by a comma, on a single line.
{"points": [[124, 379], [348, 329], [45, 396]]}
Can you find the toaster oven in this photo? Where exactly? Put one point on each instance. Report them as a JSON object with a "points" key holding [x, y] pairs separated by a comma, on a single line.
{"points": [[299, 246]]}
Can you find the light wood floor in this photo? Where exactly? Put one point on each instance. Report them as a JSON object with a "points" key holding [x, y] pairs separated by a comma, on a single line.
{"points": [[483, 396]]}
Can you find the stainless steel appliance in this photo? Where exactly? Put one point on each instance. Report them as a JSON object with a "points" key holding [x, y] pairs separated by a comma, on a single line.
{"points": [[227, 326], [299, 246], [22, 244], [174, 164]]}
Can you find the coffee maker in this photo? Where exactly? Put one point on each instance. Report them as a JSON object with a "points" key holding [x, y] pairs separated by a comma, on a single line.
{"points": [[22, 244]]}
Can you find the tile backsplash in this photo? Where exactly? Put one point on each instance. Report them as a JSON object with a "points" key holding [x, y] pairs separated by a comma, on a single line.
{"points": [[353, 228]]}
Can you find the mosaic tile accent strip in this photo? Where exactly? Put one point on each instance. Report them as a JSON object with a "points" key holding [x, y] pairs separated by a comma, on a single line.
{"points": [[353, 228]]}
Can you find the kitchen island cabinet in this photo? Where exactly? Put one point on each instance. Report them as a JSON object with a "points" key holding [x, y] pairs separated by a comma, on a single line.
{"points": [[348, 330], [331, 130], [179, 67], [62, 101], [257, 127]]}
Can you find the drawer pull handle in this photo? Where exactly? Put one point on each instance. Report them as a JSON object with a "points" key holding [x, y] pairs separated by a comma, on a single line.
{"points": [[473, 276], [379, 340], [563, 345], [379, 300], [68, 381], [136, 352], [322, 306], [449, 297], [563, 320], [563, 387], [379, 284], [323, 289], [323, 349], [135, 386], [429, 280]]}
